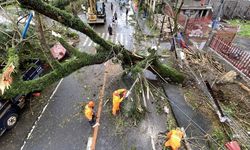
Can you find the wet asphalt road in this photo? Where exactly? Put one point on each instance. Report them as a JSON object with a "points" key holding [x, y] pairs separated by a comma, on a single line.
{"points": [[13, 139], [188, 118], [62, 126]]}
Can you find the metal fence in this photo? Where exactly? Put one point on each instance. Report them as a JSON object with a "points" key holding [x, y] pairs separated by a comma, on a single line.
{"points": [[238, 57]]}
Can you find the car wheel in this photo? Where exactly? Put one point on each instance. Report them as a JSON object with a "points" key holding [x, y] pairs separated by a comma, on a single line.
{"points": [[11, 120]]}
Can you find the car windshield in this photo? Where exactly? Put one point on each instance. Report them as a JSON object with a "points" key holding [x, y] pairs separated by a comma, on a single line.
{"points": [[99, 7]]}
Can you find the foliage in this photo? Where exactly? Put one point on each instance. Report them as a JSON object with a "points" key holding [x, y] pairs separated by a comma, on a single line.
{"points": [[25, 51], [69, 5], [158, 8], [5, 39], [121, 123], [72, 35], [134, 112], [173, 74], [219, 136], [75, 5], [244, 27], [78, 59], [60, 3]]}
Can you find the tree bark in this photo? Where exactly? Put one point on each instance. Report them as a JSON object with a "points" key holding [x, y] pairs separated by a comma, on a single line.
{"points": [[25, 87], [82, 59], [68, 20], [45, 48]]}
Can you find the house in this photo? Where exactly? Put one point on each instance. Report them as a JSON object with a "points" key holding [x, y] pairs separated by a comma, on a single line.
{"points": [[196, 8]]}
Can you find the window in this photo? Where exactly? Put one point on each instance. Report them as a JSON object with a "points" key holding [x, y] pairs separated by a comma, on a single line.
{"points": [[99, 8]]}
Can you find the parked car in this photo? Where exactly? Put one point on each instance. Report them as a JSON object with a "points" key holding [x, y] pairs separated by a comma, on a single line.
{"points": [[10, 108]]}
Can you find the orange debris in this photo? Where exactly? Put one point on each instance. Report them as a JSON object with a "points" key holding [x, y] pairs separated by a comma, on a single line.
{"points": [[88, 111], [174, 139], [6, 79]]}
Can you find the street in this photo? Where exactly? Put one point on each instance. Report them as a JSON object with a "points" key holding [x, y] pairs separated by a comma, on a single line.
{"points": [[185, 67], [61, 124]]}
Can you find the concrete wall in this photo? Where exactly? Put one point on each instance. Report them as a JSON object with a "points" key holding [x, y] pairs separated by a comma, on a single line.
{"points": [[233, 8]]}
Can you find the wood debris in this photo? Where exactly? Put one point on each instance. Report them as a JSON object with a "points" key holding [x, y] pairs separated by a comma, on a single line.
{"points": [[6, 79]]}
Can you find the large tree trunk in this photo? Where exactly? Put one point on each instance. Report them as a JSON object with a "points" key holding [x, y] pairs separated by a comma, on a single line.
{"points": [[82, 59], [25, 87]]}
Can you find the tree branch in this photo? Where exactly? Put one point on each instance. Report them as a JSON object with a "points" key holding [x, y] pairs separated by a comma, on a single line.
{"points": [[82, 59], [12, 58], [25, 87], [177, 12], [5, 78], [71, 49], [45, 48], [69, 20]]}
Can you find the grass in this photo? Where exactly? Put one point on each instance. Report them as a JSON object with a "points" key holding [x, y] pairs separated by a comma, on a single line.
{"points": [[244, 27], [120, 125], [219, 136], [192, 97]]}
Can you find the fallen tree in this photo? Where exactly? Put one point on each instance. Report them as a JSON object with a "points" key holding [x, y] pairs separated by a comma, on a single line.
{"points": [[106, 51]]}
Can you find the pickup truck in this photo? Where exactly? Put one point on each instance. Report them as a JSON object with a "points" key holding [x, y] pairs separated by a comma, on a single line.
{"points": [[10, 108]]}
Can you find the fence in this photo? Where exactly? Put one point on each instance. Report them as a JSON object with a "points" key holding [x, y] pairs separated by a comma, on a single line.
{"points": [[239, 58]]}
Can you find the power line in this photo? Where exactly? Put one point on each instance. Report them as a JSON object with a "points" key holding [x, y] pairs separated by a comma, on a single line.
{"points": [[176, 105]]}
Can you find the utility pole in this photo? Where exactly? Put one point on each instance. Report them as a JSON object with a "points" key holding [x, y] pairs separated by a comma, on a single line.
{"points": [[209, 2], [188, 15], [220, 10], [162, 25], [214, 24]]}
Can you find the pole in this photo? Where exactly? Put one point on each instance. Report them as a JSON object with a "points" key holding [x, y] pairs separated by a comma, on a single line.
{"points": [[173, 38], [220, 10], [214, 98], [209, 2], [186, 24], [27, 25], [213, 29], [163, 20], [101, 95]]}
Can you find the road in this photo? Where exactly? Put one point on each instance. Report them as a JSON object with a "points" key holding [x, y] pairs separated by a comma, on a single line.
{"points": [[61, 124]]}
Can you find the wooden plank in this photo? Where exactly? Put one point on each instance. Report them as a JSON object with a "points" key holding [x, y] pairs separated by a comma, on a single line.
{"points": [[101, 95]]}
